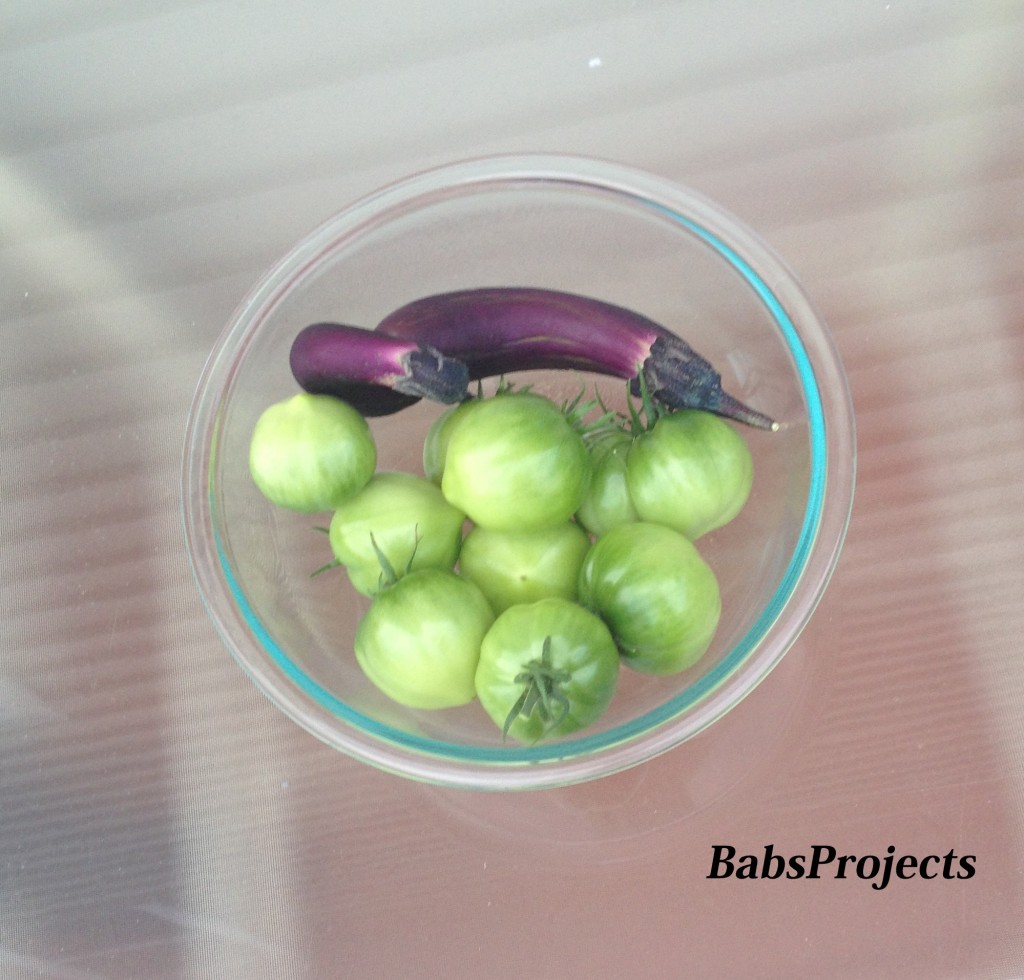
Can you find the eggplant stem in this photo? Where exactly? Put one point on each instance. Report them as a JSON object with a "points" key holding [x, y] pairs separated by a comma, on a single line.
{"points": [[677, 377], [732, 408]]}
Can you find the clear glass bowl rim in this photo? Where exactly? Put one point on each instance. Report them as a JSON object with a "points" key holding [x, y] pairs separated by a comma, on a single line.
{"points": [[832, 477]]}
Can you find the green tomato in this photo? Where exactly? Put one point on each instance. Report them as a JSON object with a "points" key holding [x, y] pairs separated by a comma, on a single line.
{"points": [[607, 503], [419, 642], [514, 462], [546, 669], [514, 567], [406, 518], [435, 446], [692, 472], [311, 453], [658, 596]]}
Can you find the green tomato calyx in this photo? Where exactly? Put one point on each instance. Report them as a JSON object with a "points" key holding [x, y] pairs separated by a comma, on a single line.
{"points": [[542, 692], [644, 419], [577, 410], [335, 563], [388, 574]]}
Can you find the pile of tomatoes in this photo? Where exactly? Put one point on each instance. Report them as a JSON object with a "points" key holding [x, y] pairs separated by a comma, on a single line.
{"points": [[534, 557]]}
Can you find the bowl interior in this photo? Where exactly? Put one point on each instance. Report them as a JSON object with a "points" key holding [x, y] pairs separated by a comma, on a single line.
{"points": [[653, 248]]}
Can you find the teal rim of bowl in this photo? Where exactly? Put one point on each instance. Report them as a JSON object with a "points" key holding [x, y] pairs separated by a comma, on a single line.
{"points": [[584, 745]]}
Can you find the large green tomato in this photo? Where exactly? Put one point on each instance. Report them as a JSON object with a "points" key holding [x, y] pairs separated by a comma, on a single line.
{"points": [[419, 642], [607, 503], [311, 453], [692, 472], [402, 515], [514, 462], [546, 669], [515, 567], [658, 596]]}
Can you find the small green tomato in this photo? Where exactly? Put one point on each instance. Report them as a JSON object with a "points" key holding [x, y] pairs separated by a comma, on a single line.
{"points": [[419, 642], [692, 472], [607, 503], [546, 669], [435, 446], [311, 453], [658, 596], [402, 515], [514, 462], [514, 567]]}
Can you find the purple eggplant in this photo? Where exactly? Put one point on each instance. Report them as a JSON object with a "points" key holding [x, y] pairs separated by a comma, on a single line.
{"points": [[496, 331], [375, 373]]}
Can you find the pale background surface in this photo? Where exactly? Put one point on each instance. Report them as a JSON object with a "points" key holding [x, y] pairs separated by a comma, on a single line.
{"points": [[158, 818]]}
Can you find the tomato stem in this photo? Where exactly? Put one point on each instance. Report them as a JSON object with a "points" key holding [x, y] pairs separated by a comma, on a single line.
{"points": [[542, 692]]}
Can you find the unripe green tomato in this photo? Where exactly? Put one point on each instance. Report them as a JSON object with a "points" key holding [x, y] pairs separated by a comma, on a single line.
{"points": [[692, 472], [311, 453], [658, 596], [419, 642], [406, 517], [435, 446], [514, 462], [514, 567], [581, 669], [607, 503]]}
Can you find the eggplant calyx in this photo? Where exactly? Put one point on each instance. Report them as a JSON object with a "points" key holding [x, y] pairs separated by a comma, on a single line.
{"points": [[433, 375], [677, 377]]}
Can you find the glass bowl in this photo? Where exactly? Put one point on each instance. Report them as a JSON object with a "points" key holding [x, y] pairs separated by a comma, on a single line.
{"points": [[578, 225]]}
